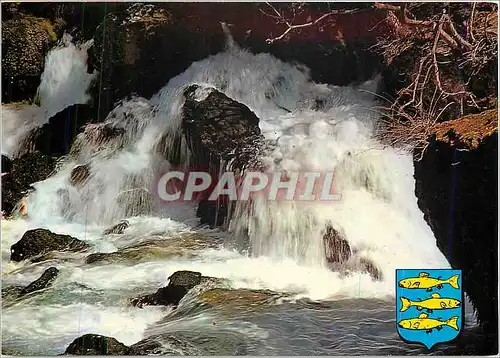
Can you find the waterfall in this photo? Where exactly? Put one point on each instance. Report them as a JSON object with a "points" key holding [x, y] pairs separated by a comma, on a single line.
{"points": [[64, 82]]}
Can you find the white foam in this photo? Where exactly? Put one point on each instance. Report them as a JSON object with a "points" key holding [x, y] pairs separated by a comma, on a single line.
{"points": [[64, 82], [378, 212], [56, 326]]}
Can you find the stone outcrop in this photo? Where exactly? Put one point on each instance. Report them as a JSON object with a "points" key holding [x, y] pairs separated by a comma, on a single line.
{"points": [[26, 40], [457, 189], [20, 174], [218, 128], [41, 241]]}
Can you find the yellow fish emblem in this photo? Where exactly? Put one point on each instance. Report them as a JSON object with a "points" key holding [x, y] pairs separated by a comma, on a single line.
{"points": [[424, 281], [423, 323], [430, 304]]}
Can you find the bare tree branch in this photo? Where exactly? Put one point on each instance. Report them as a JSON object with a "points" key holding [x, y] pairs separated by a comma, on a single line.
{"points": [[291, 27]]}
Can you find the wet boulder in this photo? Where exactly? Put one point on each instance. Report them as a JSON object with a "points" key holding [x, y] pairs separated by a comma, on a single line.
{"points": [[41, 241], [180, 282], [148, 346], [240, 299], [218, 128], [13, 293], [368, 266], [118, 228], [48, 277], [10, 294], [80, 174], [216, 123], [25, 42], [186, 246], [95, 345], [25, 170], [337, 249], [136, 201]]}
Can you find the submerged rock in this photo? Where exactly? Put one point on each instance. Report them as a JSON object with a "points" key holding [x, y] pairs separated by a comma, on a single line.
{"points": [[342, 258], [180, 282], [80, 174], [44, 281], [337, 249], [136, 201], [118, 228], [95, 345], [366, 265], [11, 294], [40, 241], [240, 299], [185, 245]]}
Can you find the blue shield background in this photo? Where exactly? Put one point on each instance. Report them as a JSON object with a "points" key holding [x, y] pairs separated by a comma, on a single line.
{"points": [[420, 336]]}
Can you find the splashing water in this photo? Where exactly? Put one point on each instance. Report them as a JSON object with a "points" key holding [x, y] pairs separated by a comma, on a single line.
{"points": [[64, 82], [308, 127]]}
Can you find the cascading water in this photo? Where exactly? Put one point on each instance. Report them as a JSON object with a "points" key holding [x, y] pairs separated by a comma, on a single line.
{"points": [[309, 127], [64, 82]]}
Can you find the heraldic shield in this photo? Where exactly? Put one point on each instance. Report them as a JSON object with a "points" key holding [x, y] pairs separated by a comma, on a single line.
{"points": [[429, 305]]}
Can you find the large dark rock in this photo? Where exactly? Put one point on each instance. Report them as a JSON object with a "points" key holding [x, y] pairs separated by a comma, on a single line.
{"points": [[218, 128], [25, 42], [24, 171], [41, 241], [180, 282], [457, 191], [95, 345]]}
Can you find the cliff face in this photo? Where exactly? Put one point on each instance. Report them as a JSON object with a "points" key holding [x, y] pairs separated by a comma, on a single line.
{"points": [[457, 189]]}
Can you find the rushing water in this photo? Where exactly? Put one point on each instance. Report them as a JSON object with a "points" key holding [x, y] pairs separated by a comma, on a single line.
{"points": [[308, 127], [64, 82]]}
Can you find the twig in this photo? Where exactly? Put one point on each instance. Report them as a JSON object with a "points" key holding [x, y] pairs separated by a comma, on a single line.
{"points": [[471, 23], [291, 27], [454, 32], [435, 62]]}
